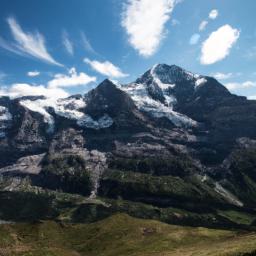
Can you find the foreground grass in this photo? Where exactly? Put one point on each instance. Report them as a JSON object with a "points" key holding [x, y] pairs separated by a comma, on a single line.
{"points": [[121, 234]]}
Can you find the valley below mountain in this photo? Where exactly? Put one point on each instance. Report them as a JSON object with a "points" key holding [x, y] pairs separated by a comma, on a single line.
{"points": [[130, 169]]}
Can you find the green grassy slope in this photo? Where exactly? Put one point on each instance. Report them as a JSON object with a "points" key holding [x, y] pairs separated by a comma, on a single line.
{"points": [[121, 235]]}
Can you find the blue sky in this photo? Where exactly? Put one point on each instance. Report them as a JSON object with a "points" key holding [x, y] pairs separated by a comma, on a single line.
{"points": [[65, 46]]}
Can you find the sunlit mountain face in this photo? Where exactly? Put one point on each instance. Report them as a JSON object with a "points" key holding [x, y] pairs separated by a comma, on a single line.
{"points": [[133, 129]]}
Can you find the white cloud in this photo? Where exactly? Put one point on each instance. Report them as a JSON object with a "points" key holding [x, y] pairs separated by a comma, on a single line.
{"points": [[106, 68], [70, 80], [194, 39], [218, 45], [144, 22], [33, 73], [203, 25], [67, 43], [20, 90], [243, 85], [52, 89], [222, 76], [27, 44], [213, 14]]}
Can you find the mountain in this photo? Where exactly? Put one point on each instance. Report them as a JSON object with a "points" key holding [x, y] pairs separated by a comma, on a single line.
{"points": [[172, 145]]}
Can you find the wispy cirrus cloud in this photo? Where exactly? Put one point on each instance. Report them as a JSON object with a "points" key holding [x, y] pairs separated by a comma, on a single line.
{"points": [[9, 47], [86, 43], [144, 22], [27, 44], [218, 45], [72, 79], [67, 43], [106, 68]]}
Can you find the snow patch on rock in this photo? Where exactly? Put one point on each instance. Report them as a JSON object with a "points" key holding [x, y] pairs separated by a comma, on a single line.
{"points": [[88, 122], [143, 100], [156, 79], [69, 108], [200, 82], [40, 107]]}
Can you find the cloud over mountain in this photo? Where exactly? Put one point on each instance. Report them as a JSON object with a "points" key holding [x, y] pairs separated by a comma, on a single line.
{"points": [[71, 80]]}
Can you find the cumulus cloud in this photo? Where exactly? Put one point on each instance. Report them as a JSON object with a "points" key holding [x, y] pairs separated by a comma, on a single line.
{"points": [[218, 45], [213, 14], [33, 73], [53, 89], [27, 44], [243, 85], [144, 22], [194, 39], [203, 25], [106, 68], [21, 89], [222, 76], [67, 43], [71, 80]]}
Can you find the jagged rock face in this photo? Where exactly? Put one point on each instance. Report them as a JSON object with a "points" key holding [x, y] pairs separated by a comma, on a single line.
{"points": [[169, 138], [106, 97], [67, 139], [108, 100]]}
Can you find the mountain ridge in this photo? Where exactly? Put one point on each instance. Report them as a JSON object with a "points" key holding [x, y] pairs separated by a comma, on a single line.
{"points": [[171, 139]]}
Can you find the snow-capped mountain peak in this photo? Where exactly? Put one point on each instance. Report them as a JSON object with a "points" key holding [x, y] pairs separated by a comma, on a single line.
{"points": [[164, 87], [161, 92], [153, 92]]}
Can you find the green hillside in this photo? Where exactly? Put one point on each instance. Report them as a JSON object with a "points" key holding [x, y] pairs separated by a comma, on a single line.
{"points": [[121, 234]]}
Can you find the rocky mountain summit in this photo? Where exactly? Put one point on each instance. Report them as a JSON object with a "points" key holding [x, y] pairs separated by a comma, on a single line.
{"points": [[173, 146]]}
